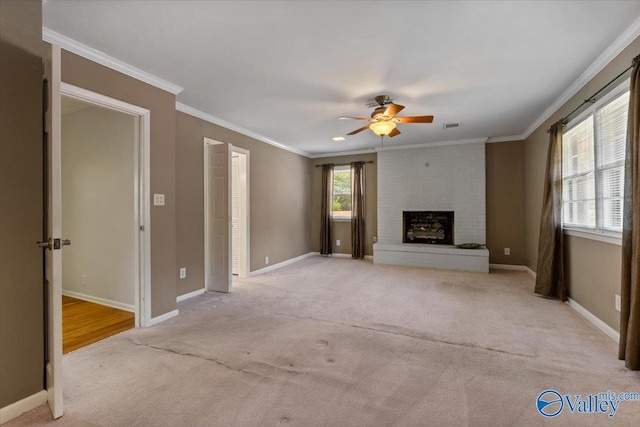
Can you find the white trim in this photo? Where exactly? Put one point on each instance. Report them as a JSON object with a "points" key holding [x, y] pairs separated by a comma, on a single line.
{"points": [[508, 267], [337, 255], [531, 272], [592, 235], [188, 295], [433, 144], [228, 125], [143, 191], [29, 403], [163, 317], [102, 301], [281, 264], [102, 58], [401, 147], [509, 138], [245, 203], [606, 329], [342, 153], [629, 35]]}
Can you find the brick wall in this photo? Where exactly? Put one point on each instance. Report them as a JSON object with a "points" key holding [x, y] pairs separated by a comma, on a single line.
{"points": [[454, 180]]}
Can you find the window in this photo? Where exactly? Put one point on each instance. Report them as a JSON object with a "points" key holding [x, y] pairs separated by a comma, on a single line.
{"points": [[593, 151], [341, 201]]}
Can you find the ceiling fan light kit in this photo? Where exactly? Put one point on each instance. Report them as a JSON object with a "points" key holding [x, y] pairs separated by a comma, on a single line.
{"points": [[382, 128]]}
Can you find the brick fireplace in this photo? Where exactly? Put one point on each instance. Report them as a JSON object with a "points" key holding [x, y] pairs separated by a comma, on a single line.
{"points": [[438, 179]]}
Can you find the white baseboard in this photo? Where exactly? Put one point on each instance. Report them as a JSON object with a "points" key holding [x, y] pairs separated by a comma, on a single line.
{"points": [[101, 301], [23, 406], [531, 272], [343, 255], [279, 265], [163, 317], [608, 330], [508, 267], [190, 295], [347, 256]]}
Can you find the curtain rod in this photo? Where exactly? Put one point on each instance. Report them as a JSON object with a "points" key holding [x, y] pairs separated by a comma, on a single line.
{"points": [[592, 98], [343, 164]]}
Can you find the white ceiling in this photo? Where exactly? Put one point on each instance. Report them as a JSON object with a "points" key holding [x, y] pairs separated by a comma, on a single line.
{"points": [[287, 70]]}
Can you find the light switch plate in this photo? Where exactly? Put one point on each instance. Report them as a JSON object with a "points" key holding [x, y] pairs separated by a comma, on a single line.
{"points": [[158, 200]]}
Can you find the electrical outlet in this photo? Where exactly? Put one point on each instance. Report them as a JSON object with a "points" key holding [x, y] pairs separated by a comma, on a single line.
{"points": [[618, 303], [337, 242], [507, 251], [183, 272], [84, 280], [266, 260], [158, 200]]}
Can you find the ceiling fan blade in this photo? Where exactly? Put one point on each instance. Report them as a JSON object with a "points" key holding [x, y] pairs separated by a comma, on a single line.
{"points": [[359, 130], [354, 118], [394, 132], [393, 109], [415, 119]]}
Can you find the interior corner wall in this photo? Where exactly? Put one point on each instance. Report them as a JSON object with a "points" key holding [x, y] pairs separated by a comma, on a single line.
{"points": [[279, 217], [581, 255], [97, 78], [505, 203], [98, 203], [342, 229]]}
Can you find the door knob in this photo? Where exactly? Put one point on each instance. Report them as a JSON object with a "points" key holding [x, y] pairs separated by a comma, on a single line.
{"points": [[52, 244]]}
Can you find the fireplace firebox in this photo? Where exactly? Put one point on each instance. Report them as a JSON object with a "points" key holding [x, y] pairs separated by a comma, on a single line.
{"points": [[431, 227]]}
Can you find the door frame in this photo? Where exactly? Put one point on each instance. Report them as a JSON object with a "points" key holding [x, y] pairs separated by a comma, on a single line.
{"points": [[243, 220], [244, 267], [142, 193]]}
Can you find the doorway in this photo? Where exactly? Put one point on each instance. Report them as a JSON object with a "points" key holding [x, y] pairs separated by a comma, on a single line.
{"points": [[226, 214], [239, 212], [99, 281], [106, 201]]}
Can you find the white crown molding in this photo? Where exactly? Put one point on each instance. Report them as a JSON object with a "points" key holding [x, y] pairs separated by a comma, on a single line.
{"points": [[520, 137], [342, 153], [433, 144], [101, 58], [220, 122], [629, 35]]}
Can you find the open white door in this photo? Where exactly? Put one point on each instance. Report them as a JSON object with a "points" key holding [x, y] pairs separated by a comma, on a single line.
{"points": [[53, 246], [219, 217]]}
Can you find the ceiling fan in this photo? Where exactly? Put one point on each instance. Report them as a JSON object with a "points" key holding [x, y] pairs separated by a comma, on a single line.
{"points": [[383, 119]]}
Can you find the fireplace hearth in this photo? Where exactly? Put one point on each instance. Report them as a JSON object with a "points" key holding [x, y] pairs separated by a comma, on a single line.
{"points": [[427, 227]]}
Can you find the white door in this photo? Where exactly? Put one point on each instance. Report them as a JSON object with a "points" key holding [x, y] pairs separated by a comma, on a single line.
{"points": [[235, 215], [219, 227], [53, 251]]}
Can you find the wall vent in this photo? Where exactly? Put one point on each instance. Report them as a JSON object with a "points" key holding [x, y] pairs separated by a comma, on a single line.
{"points": [[451, 125]]}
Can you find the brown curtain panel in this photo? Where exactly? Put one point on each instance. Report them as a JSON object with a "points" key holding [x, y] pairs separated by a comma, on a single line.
{"points": [[629, 349], [357, 210], [549, 273], [326, 210]]}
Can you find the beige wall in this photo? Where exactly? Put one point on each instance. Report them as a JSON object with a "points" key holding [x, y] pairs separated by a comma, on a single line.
{"points": [[21, 316], [97, 78], [582, 254], [98, 204], [279, 199], [342, 229], [505, 203]]}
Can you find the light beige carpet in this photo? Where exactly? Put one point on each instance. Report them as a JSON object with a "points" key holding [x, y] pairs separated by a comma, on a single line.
{"points": [[339, 342]]}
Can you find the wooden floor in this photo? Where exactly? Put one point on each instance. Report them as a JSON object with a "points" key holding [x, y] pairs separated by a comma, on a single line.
{"points": [[84, 323]]}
